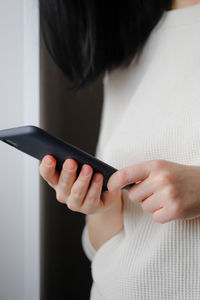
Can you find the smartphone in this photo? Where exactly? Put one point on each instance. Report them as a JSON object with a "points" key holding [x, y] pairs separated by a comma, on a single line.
{"points": [[37, 142]]}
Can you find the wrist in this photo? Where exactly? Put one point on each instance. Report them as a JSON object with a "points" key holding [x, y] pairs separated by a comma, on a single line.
{"points": [[105, 224]]}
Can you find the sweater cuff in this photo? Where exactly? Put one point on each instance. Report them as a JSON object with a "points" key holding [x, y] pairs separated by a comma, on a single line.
{"points": [[86, 244]]}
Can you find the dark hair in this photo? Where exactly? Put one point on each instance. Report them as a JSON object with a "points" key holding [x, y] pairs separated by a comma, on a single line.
{"points": [[85, 38]]}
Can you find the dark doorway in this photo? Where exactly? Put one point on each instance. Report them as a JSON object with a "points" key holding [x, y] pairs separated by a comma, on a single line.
{"points": [[74, 117]]}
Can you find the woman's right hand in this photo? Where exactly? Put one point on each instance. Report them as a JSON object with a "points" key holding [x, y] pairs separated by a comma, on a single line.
{"points": [[73, 191]]}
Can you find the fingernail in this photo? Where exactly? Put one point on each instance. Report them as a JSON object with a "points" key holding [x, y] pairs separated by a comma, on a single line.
{"points": [[97, 178], [70, 165], [85, 170], [48, 160]]}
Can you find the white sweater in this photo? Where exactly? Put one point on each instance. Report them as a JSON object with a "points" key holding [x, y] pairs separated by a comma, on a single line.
{"points": [[151, 110]]}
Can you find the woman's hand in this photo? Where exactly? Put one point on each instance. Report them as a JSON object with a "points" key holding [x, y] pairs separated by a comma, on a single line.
{"points": [[168, 190], [74, 191]]}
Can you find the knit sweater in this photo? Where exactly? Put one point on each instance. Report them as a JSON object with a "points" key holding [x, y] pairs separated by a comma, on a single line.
{"points": [[151, 110]]}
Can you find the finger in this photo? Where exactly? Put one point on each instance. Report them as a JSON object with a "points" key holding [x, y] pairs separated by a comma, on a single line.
{"points": [[151, 204], [127, 175], [93, 198], [48, 170], [141, 191], [67, 178], [79, 188], [161, 215]]}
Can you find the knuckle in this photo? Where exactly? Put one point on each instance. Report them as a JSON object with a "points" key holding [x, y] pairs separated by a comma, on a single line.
{"points": [[64, 178], [71, 206], [91, 198], [169, 177], [158, 164], [59, 197], [76, 193], [165, 178], [172, 192]]}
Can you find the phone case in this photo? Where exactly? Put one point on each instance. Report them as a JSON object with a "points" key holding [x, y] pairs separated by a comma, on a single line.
{"points": [[37, 142]]}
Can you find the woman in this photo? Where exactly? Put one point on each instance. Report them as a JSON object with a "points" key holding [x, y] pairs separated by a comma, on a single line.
{"points": [[144, 243]]}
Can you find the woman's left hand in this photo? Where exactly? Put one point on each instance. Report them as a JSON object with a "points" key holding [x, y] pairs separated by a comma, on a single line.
{"points": [[168, 190]]}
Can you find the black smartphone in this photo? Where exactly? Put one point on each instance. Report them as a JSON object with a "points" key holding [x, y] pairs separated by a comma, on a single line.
{"points": [[37, 142]]}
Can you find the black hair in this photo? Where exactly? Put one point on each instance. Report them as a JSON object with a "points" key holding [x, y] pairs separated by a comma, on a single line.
{"points": [[85, 38]]}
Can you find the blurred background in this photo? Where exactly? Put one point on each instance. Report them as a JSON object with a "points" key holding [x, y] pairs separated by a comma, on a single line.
{"points": [[41, 255]]}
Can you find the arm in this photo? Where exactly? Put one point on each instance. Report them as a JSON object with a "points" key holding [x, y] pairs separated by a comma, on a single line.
{"points": [[104, 225]]}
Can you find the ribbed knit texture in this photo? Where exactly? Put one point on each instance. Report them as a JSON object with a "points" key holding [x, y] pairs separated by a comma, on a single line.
{"points": [[151, 110]]}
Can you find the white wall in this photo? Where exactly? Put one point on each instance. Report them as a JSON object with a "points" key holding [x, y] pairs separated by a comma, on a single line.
{"points": [[19, 177]]}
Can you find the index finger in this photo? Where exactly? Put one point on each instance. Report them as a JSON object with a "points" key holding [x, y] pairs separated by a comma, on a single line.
{"points": [[48, 170], [127, 175]]}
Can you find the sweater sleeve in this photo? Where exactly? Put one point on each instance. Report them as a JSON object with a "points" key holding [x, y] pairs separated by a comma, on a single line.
{"points": [[86, 244]]}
